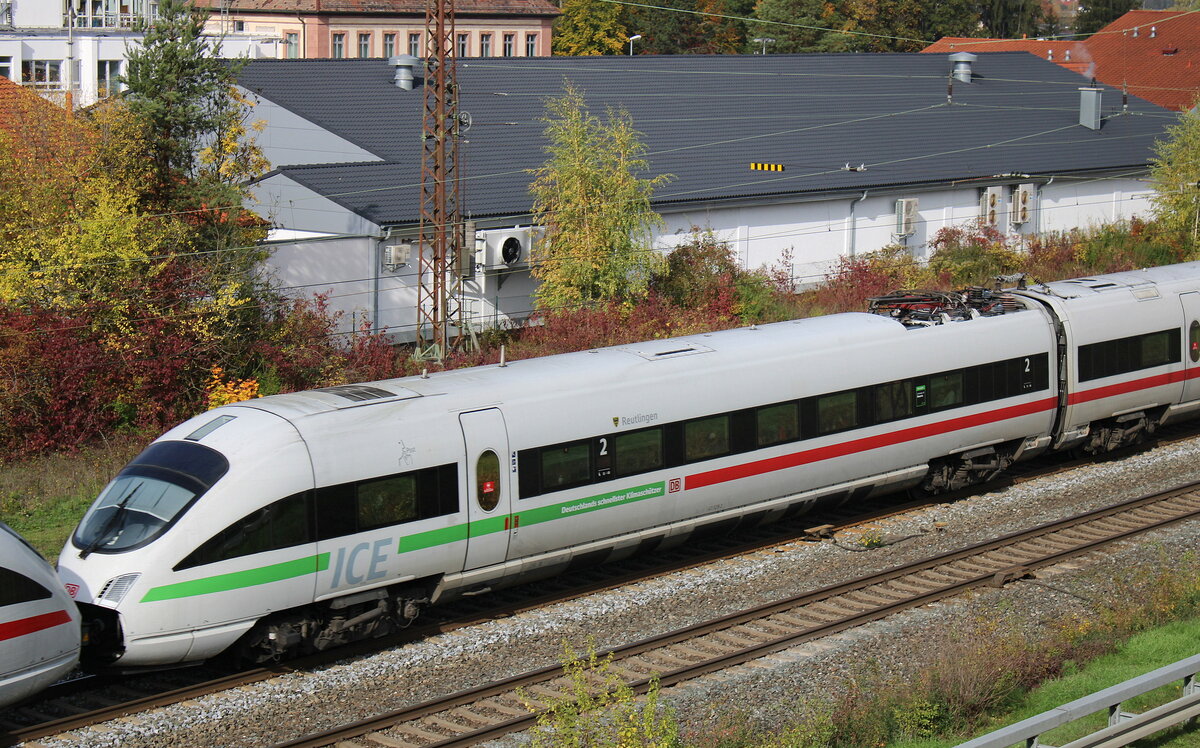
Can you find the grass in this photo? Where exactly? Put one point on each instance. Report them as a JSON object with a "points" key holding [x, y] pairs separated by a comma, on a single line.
{"points": [[1142, 653], [43, 498]]}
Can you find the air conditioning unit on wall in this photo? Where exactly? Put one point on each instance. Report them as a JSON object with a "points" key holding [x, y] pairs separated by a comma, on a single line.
{"points": [[906, 217], [1023, 198], [991, 205], [508, 249]]}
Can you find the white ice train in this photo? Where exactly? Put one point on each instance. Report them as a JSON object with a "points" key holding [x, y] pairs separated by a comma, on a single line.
{"points": [[296, 522], [39, 625]]}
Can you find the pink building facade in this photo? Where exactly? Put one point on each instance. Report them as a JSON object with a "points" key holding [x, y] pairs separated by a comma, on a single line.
{"points": [[385, 28]]}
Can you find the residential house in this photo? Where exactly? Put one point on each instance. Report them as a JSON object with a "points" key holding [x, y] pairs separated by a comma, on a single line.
{"points": [[795, 159], [1153, 54], [386, 28]]}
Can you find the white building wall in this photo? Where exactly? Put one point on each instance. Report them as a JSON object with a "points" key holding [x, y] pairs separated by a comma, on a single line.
{"points": [[88, 47], [817, 233]]}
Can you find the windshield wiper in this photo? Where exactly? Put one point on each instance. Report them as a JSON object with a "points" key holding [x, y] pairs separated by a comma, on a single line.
{"points": [[111, 524]]}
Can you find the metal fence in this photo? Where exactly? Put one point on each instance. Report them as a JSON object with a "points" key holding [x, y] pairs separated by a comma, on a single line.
{"points": [[1123, 727]]}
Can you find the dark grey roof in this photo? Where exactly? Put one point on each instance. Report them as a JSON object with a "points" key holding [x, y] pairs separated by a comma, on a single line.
{"points": [[706, 118]]}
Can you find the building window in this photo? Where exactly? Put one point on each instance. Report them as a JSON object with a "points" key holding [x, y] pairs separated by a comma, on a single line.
{"points": [[464, 42], [239, 25], [6, 67], [364, 45], [292, 41], [510, 43], [107, 72], [485, 45], [531, 45], [414, 45], [339, 46], [42, 73], [389, 45]]}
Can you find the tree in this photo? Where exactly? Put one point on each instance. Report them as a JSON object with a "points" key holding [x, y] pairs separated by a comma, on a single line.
{"points": [[797, 25], [1012, 19], [1176, 175], [1097, 14], [589, 27], [594, 207]]}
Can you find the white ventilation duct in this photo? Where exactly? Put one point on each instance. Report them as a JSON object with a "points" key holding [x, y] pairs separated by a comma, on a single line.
{"points": [[405, 66], [962, 65], [1089, 107]]}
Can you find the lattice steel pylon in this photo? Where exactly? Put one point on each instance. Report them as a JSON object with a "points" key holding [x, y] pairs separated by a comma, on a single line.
{"points": [[439, 293]]}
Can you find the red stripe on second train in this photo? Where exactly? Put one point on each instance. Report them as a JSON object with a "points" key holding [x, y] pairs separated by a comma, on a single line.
{"points": [[783, 462], [25, 626], [1120, 388]]}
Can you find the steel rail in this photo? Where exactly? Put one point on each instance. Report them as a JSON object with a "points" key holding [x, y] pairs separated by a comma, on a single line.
{"points": [[989, 565]]}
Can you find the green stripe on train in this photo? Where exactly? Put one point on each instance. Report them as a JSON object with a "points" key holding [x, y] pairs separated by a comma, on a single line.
{"points": [[592, 503], [239, 579], [422, 540]]}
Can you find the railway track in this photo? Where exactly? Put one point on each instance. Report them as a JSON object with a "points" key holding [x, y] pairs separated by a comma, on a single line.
{"points": [[71, 705], [485, 713]]}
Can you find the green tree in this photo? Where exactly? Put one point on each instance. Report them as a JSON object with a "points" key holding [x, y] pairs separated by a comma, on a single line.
{"points": [[1176, 175], [178, 85], [1011, 19], [799, 25], [1097, 14], [663, 32], [589, 27], [594, 207]]}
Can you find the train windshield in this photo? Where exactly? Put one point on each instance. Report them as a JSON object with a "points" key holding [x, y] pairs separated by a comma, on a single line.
{"points": [[148, 496]]}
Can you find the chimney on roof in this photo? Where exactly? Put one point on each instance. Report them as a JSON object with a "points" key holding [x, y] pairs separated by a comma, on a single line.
{"points": [[962, 65], [404, 65], [1089, 107]]}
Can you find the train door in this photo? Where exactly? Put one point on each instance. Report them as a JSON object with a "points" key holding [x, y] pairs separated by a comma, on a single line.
{"points": [[1191, 360], [489, 487]]}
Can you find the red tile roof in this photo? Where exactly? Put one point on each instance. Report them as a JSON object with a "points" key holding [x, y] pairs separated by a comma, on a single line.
{"points": [[1071, 54], [1155, 54], [389, 7]]}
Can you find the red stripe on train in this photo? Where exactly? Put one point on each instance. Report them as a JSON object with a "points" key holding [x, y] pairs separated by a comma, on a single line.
{"points": [[1121, 388], [26, 626], [783, 462]]}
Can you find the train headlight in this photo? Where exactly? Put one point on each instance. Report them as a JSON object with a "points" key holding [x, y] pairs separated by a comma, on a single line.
{"points": [[115, 589]]}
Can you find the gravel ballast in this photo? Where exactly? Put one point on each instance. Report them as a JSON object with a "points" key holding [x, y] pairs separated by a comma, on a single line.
{"points": [[765, 692]]}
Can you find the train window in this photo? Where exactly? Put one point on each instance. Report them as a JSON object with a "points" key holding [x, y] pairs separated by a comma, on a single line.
{"points": [[387, 501], [776, 424], [17, 588], [946, 390], [893, 400], [281, 524], [487, 480], [638, 451], [837, 412], [1157, 349], [1194, 341], [566, 465], [148, 496], [705, 438], [1112, 357]]}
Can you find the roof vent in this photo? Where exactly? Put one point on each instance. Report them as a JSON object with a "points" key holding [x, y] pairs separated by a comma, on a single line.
{"points": [[962, 65], [1170, 51], [404, 65], [1089, 107], [1153, 31]]}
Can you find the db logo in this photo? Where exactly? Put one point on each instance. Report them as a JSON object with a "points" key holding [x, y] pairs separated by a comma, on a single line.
{"points": [[675, 485], [72, 590]]}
